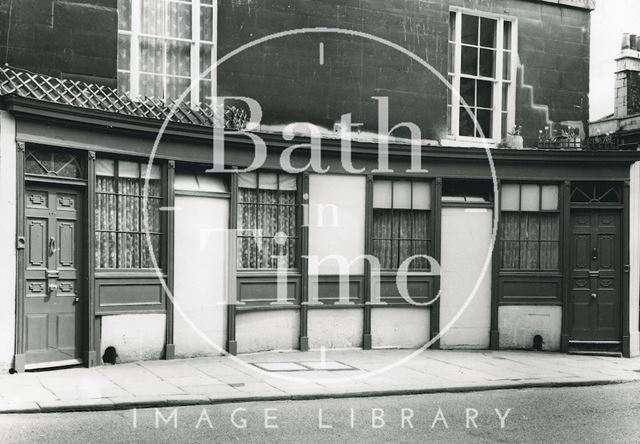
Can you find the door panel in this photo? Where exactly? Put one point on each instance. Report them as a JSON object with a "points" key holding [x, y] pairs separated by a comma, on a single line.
{"points": [[595, 266], [53, 297]]}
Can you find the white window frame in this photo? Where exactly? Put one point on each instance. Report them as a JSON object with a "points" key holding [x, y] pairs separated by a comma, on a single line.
{"points": [[134, 58], [498, 82]]}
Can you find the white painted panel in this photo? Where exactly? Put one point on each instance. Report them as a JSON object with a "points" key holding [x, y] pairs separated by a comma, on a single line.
{"points": [[136, 337], [400, 327], [634, 259], [466, 234], [200, 182], [518, 324], [200, 275], [267, 330], [336, 220], [335, 328], [7, 238]]}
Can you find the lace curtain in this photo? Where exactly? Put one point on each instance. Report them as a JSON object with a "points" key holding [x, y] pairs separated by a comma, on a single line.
{"points": [[530, 241], [400, 234], [266, 220], [165, 42], [120, 230]]}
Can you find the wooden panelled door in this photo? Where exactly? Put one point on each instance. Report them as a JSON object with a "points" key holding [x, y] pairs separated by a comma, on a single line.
{"points": [[53, 285], [594, 311]]}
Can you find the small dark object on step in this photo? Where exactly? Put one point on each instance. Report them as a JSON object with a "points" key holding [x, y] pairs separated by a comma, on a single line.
{"points": [[110, 356], [537, 342]]}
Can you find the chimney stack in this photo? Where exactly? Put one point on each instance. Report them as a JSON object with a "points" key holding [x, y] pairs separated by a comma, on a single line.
{"points": [[628, 77]]}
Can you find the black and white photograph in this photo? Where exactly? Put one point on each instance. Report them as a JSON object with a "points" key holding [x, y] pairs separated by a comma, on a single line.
{"points": [[319, 221]]}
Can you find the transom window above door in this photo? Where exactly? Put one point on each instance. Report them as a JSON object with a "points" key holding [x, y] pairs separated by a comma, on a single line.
{"points": [[164, 46], [482, 69], [52, 162]]}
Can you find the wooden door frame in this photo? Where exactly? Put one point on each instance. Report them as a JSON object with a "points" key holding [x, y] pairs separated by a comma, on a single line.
{"points": [[83, 189], [623, 272]]}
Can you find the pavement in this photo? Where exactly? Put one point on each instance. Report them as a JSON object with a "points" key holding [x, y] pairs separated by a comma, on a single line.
{"points": [[302, 375]]}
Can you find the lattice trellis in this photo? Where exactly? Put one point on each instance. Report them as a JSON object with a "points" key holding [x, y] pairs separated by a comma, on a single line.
{"points": [[90, 96]]}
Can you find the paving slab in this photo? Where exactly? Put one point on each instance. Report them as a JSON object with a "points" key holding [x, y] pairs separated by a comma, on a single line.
{"points": [[220, 379]]}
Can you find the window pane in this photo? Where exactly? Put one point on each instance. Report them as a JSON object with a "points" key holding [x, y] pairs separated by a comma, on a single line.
{"points": [[128, 250], [206, 94], [288, 182], [128, 169], [177, 86], [124, 82], [206, 24], [124, 15], [469, 61], [248, 180], [484, 94], [506, 66], [151, 55], [124, 52], [381, 194], [505, 96], [510, 197], [152, 17], [488, 63], [485, 123], [402, 194], [467, 125], [452, 26], [510, 237], [469, 29], [488, 32], [421, 195], [205, 62], [468, 92], [507, 35], [268, 181], [550, 197], [179, 20], [178, 58], [452, 54], [530, 197], [145, 253]]}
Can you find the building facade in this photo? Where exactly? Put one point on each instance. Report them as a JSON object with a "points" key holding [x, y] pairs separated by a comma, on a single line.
{"points": [[118, 230]]}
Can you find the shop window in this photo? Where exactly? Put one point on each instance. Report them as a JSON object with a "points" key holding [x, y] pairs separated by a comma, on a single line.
{"points": [[401, 222], [120, 229], [164, 46], [267, 220], [530, 227], [481, 68], [53, 162]]}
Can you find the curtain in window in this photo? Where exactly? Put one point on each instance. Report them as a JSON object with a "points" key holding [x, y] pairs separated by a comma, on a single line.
{"points": [[120, 223], [266, 210], [400, 234], [530, 241]]}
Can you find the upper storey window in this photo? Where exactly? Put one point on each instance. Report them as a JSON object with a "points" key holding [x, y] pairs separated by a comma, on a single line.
{"points": [[482, 68], [164, 46]]}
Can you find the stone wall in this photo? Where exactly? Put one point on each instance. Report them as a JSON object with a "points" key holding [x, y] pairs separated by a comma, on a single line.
{"points": [[70, 39]]}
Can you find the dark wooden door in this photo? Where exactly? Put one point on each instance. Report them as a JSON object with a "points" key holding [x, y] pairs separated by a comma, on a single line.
{"points": [[595, 277], [53, 289]]}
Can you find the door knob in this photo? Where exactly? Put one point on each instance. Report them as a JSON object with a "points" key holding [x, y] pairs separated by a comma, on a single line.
{"points": [[53, 289], [594, 296], [76, 300], [595, 254]]}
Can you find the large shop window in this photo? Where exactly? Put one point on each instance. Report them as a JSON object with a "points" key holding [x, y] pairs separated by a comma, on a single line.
{"points": [[401, 222], [164, 46], [267, 221], [120, 229], [482, 69], [530, 227]]}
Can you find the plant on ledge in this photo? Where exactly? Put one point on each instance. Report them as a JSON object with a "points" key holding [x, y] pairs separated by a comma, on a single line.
{"points": [[513, 140], [565, 137]]}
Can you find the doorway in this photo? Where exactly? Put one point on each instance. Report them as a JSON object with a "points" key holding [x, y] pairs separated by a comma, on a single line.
{"points": [[595, 286], [53, 287]]}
